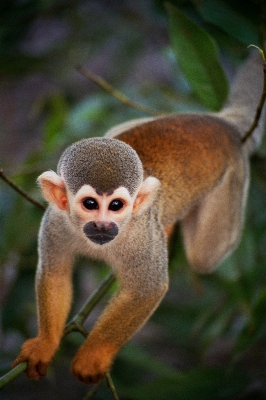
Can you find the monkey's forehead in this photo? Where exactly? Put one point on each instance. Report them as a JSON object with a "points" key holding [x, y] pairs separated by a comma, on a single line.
{"points": [[103, 163]]}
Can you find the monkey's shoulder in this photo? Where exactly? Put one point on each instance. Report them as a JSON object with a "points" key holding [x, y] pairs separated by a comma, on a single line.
{"points": [[172, 134], [189, 148]]}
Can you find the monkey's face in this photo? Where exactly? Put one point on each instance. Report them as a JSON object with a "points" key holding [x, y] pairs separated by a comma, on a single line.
{"points": [[101, 215]]}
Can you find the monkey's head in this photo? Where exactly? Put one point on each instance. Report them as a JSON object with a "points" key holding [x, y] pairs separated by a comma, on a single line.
{"points": [[99, 184]]}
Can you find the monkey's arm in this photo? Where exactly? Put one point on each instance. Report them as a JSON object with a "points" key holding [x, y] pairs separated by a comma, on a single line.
{"points": [[54, 293], [142, 272]]}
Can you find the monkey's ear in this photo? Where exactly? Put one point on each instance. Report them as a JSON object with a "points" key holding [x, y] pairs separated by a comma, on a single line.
{"points": [[146, 194], [54, 189]]}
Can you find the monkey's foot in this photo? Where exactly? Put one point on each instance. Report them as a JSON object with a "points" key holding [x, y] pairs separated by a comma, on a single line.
{"points": [[38, 354], [91, 364]]}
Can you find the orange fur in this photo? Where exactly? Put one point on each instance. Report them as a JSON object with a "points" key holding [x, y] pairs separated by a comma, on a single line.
{"points": [[199, 147], [168, 231], [100, 359], [53, 305]]}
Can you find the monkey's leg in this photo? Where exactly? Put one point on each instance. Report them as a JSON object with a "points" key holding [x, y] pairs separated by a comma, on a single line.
{"points": [[124, 316], [213, 227], [54, 292], [142, 268]]}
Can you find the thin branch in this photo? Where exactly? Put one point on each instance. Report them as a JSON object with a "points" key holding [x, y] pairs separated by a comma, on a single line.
{"points": [[21, 191], [96, 296], [262, 25], [12, 374], [261, 103], [114, 92], [111, 386], [92, 391]]}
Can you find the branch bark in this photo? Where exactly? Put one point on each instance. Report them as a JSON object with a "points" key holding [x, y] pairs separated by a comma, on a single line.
{"points": [[261, 103], [114, 92], [21, 191]]}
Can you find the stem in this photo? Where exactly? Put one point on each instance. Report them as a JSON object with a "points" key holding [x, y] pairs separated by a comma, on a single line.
{"points": [[261, 103], [114, 92], [92, 391], [96, 387], [21, 191], [262, 25], [76, 323], [111, 386], [12, 374]]}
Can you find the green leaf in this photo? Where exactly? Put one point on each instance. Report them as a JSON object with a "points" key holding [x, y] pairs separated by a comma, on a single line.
{"points": [[229, 20], [197, 56]]}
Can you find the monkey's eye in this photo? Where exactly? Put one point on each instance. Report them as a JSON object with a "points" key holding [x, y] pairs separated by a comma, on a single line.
{"points": [[90, 204], [116, 205]]}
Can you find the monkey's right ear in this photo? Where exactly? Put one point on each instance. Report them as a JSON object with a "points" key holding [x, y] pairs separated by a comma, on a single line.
{"points": [[54, 189], [146, 194]]}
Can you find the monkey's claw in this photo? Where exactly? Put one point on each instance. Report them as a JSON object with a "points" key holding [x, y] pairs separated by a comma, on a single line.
{"points": [[87, 372], [38, 354], [92, 366]]}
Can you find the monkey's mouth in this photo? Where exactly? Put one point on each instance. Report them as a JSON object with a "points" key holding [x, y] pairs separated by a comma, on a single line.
{"points": [[100, 232], [100, 238]]}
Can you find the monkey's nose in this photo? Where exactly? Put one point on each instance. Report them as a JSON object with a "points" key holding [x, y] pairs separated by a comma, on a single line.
{"points": [[102, 225], [100, 232]]}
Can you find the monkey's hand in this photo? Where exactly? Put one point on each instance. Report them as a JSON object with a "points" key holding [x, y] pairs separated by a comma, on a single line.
{"points": [[91, 363], [38, 353]]}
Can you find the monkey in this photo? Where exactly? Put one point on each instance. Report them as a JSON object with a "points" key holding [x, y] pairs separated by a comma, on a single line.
{"points": [[117, 199]]}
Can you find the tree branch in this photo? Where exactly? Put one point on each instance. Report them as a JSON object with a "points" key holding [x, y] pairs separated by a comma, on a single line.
{"points": [[21, 191], [262, 25], [76, 323], [111, 386], [114, 92], [12, 374], [261, 103]]}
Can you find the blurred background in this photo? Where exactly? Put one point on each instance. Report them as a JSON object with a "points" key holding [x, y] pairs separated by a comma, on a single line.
{"points": [[207, 340]]}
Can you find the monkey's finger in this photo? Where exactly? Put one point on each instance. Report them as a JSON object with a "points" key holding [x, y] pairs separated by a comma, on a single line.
{"points": [[32, 371], [97, 378], [84, 379], [88, 379], [42, 368], [18, 361]]}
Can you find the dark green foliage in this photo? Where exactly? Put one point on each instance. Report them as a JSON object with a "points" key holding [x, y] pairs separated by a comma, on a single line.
{"points": [[197, 55]]}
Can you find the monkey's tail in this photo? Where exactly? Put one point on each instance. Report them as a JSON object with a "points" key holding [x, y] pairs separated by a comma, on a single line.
{"points": [[244, 99]]}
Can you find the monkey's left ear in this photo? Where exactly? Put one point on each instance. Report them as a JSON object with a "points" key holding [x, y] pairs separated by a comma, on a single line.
{"points": [[146, 194], [54, 189]]}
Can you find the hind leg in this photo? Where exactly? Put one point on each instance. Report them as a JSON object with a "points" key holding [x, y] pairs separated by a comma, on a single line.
{"points": [[213, 227]]}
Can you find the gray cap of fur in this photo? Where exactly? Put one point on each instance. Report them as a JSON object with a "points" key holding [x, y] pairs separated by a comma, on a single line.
{"points": [[103, 163]]}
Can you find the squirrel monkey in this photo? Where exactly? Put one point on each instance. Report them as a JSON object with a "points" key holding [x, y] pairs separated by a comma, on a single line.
{"points": [[117, 198]]}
